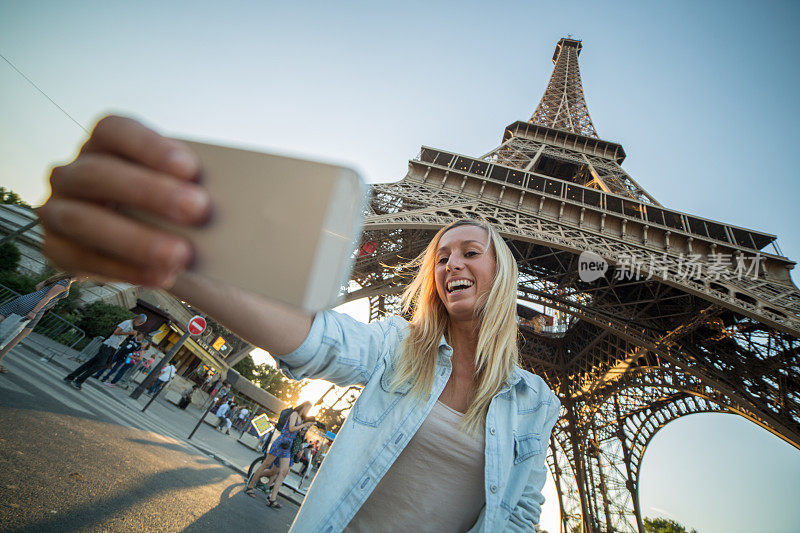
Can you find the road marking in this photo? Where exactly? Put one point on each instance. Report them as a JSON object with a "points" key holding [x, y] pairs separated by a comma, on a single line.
{"points": [[52, 392], [128, 414], [8, 384], [94, 401], [130, 411], [51, 382]]}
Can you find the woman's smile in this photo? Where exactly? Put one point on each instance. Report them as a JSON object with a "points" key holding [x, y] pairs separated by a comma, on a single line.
{"points": [[465, 268]]}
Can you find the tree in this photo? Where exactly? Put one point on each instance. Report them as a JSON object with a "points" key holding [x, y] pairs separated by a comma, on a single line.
{"points": [[100, 318], [17, 282], [9, 197], [273, 381], [270, 379], [71, 304], [332, 418], [664, 525], [9, 256], [246, 368]]}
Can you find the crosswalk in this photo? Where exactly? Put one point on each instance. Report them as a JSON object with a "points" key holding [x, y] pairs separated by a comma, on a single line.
{"points": [[29, 376], [15, 388]]}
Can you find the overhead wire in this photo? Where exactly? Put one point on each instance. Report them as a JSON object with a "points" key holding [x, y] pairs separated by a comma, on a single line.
{"points": [[12, 65]]}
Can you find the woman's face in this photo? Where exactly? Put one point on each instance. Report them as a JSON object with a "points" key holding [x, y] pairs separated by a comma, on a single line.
{"points": [[465, 267]]}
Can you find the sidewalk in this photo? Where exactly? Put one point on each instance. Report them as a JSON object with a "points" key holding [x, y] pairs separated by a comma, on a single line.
{"points": [[223, 448]]}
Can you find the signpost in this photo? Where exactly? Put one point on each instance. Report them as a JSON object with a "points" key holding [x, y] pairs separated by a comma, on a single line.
{"points": [[219, 343], [196, 326], [205, 413], [211, 402], [262, 424]]}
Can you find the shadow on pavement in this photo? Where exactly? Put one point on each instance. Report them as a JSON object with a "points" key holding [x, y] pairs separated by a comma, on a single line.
{"points": [[174, 446], [103, 511], [236, 507]]}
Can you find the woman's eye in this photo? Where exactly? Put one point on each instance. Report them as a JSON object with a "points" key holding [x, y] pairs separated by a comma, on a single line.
{"points": [[471, 253], [442, 260]]}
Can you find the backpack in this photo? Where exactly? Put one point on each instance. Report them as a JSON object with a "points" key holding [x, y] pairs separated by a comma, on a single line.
{"points": [[283, 417]]}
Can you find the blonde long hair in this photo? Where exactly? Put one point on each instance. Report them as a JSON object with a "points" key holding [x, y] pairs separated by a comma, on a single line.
{"points": [[496, 353]]}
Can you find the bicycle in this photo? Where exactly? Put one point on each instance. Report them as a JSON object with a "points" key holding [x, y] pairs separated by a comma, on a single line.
{"points": [[260, 484], [257, 461]]}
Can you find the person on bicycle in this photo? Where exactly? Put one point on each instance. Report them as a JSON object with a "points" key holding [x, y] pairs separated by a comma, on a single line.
{"points": [[281, 450]]}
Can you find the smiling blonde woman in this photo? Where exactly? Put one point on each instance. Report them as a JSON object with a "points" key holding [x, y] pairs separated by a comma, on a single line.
{"points": [[449, 434]]}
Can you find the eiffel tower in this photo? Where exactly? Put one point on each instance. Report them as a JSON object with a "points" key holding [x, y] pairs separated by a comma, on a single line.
{"points": [[691, 316]]}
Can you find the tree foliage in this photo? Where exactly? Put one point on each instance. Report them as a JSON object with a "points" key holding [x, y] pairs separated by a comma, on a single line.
{"points": [[100, 318], [332, 418], [246, 368], [9, 257], [270, 379], [9, 197], [664, 525], [17, 282], [71, 304]]}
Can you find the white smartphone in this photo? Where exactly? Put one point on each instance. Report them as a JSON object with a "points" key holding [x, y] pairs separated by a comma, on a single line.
{"points": [[281, 227]]}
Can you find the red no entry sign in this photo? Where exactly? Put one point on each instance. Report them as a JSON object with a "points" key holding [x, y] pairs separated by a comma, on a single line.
{"points": [[197, 325]]}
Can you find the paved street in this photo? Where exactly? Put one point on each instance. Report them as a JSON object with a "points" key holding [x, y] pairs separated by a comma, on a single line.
{"points": [[90, 460]]}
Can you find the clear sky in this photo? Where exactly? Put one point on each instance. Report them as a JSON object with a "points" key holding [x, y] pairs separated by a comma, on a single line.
{"points": [[702, 95]]}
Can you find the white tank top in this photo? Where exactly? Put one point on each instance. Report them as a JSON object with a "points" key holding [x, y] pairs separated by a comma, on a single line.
{"points": [[436, 483]]}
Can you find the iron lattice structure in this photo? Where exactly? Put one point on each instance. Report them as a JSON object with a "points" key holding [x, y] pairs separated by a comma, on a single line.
{"points": [[628, 353]]}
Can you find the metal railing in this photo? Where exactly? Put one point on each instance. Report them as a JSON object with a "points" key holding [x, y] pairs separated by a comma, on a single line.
{"points": [[51, 325]]}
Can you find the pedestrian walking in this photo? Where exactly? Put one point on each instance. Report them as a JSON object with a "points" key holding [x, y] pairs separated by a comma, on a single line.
{"points": [[147, 362], [281, 451], [300, 451], [305, 456], [447, 379], [19, 316], [124, 329], [207, 382], [164, 377], [141, 366], [215, 387], [223, 415], [128, 361], [132, 344], [241, 417], [225, 390]]}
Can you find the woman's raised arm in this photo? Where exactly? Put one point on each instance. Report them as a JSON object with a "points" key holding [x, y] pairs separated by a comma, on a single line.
{"points": [[296, 423], [268, 324], [52, 293]]}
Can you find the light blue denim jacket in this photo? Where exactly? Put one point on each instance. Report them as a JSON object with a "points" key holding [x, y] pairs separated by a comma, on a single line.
{"points": [[345, 352]]}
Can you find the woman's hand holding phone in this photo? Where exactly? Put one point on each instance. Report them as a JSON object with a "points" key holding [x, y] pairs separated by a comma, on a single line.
{"points": [[127, 166], [124, 164]]}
